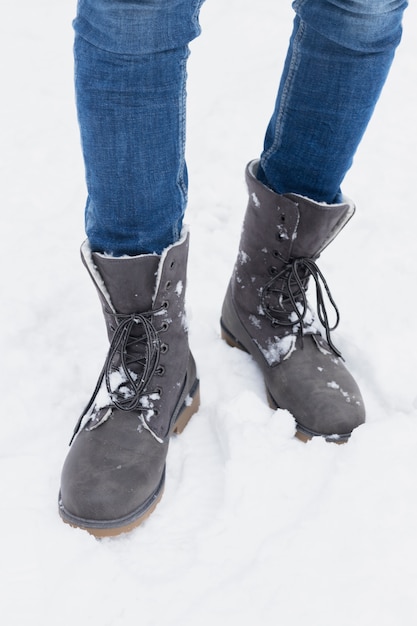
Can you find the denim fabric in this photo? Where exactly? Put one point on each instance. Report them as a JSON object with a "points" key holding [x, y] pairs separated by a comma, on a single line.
{"points": [[138, 26], [338, 59], [130, 60], [130, 74]]}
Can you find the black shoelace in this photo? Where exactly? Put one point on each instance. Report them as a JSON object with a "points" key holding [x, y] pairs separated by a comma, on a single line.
{"points": [[289, 289], [134, 355]]}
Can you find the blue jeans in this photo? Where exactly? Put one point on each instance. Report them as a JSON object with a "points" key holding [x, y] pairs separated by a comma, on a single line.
{"points": [[130, 76]]}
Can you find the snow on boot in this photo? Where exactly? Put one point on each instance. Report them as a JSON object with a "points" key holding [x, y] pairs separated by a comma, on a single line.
{"points": [[266, 313], [113, 476]]}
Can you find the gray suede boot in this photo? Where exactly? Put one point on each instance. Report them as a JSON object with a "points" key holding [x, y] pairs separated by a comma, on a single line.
{"points": [[265, 311], [113, 476]]}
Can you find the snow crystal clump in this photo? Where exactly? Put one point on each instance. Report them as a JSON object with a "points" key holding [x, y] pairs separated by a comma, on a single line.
{"points": [[243, 257], [345, 394], [255, 200], [254, 321], [278, 349], [333, 385]]}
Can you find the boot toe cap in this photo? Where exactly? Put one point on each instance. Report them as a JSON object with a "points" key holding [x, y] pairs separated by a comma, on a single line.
{"points": [[319, 391], [106, 481]]}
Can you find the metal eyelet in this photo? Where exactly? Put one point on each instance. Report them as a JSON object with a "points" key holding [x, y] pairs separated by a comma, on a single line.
{"points": [[164, 327], [160, 370], [164, 348]]}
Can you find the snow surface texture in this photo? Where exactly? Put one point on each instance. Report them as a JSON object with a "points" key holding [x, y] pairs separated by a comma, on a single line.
{"points": [[254, 527]]}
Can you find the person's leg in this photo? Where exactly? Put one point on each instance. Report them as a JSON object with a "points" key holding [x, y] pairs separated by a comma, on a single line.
{"points": [[338, 59], [130, 78], [130, 75]]}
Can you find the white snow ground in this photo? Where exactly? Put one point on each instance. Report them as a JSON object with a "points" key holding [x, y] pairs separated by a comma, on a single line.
{"points": [[254, 527]]}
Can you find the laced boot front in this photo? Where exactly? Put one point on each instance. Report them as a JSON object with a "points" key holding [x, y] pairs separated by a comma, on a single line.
{"points": [[113, 476], [266, 312]]}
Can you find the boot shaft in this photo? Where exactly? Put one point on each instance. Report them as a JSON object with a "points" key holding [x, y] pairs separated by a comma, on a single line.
{"points": [[282, 237], [142, 299], [279, 228]]}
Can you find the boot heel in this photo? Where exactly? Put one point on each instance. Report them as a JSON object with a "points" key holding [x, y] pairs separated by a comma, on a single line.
{"points": [[231, 341], [188, 411], [227, 338]]}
